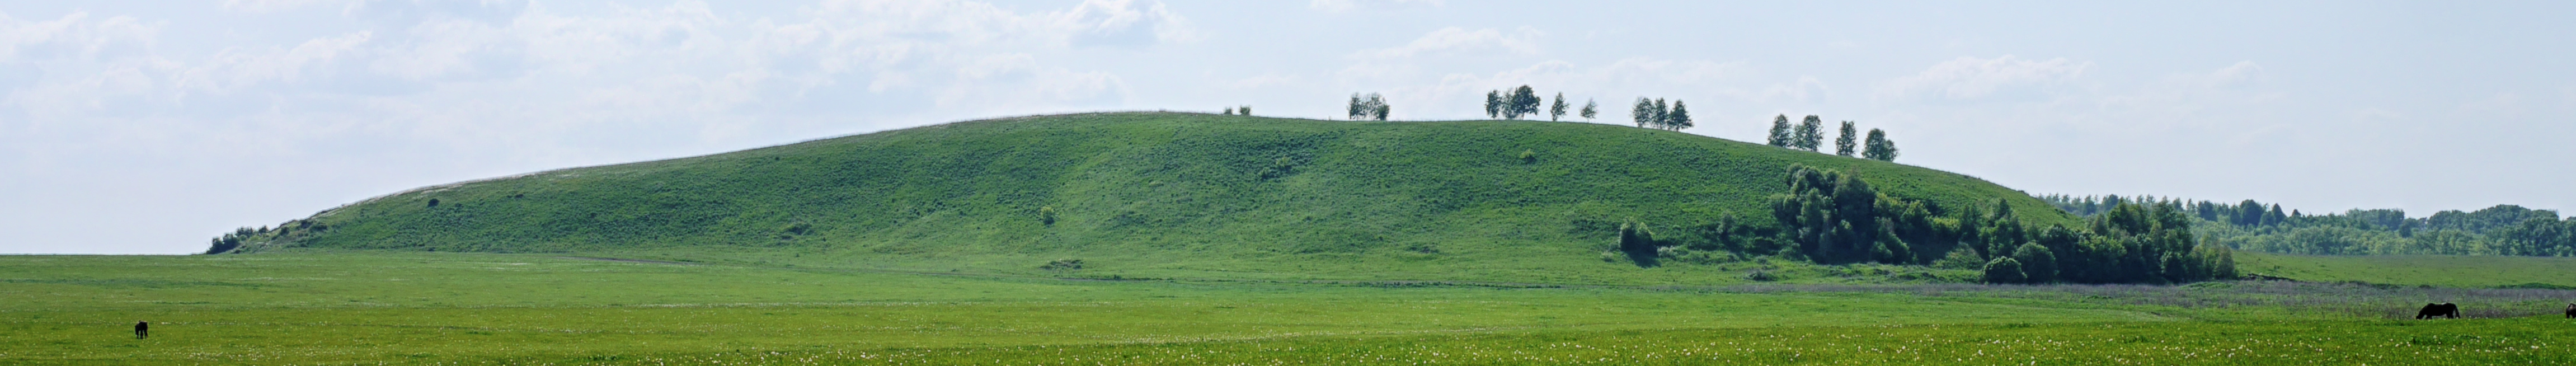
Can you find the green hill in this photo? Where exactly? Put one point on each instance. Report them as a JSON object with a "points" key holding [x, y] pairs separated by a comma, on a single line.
{"points": [[1146, 194]]}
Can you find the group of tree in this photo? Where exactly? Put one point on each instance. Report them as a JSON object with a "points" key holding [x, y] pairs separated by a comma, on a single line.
{"points": [[234, 240], [2254, 226], [1244, 110], [2248, 213], [1524, 101], [1368, 107], [1830, 217], [1809, 135], [1512, 103], [1655, 114]]}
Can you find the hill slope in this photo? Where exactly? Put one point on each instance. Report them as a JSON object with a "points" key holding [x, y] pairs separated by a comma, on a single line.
{"points": [[1153, 194]]}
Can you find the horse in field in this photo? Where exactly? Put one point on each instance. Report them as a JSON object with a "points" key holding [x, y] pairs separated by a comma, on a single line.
{"points": [[2445, 310]]}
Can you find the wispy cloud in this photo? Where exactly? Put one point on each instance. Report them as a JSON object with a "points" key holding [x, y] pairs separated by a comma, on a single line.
{"points": [[1972, 78], [1453, 40], [1348, 5]]}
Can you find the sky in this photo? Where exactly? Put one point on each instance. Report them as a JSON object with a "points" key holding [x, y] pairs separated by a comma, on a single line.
{"points": [[149, 127]]}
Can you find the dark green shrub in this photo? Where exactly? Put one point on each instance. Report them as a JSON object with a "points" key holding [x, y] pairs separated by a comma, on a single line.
{"points": [[1062, 265], [2005, 270]]}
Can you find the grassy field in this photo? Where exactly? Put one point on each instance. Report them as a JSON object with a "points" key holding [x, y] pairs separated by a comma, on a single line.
{"points": [[2434, 270], [478, 309], [1162, 195]]}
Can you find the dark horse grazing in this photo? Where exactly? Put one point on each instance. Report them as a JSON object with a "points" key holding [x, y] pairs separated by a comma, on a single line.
{"points": [[2445, 310], [142, 329], [2571, 310]]}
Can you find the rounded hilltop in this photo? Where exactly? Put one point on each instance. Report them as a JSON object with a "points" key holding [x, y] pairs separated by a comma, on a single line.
{"points": [[1142, 193]]}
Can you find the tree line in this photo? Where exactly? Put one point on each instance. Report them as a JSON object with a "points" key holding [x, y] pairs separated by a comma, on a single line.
{"points": [[1655, 113], [2255, 226], [1524, 101], [1809, 135]]}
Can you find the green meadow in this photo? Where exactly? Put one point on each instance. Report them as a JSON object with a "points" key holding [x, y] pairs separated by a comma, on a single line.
{"points": [[341, 308]]}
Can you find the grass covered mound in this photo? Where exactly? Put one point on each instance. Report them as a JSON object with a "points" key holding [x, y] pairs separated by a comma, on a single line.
{"points": [[1147, 194]]}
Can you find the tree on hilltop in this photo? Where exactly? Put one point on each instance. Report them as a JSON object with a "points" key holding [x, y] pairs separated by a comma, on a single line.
{"points": [[1368, 107], [1679, 118], [1780, 132], [1644, 112], [1811, 133], [1493, 104], [1843, 144], [1522, 102], [1879, 147], [1663, 114], [1556, 110], [1590, 109]]}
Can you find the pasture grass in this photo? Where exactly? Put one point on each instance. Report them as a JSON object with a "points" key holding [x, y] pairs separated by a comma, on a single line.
{"points": [[507, 309], [2417, 270]]}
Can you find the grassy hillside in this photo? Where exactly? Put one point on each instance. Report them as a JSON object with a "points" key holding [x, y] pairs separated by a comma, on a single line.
{"points": [[2436, 270], [1146, 194]]}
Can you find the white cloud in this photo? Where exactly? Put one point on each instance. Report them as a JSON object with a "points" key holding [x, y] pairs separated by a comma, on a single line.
{"points": [[73, 37], [1122, 22], [236, 68], [1460, 40], [1337, 6], [1267, 80], [2211, 100], [1973, 78], [267, 6]]}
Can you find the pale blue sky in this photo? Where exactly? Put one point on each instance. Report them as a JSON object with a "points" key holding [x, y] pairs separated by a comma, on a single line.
{"points": [[150, 126]]}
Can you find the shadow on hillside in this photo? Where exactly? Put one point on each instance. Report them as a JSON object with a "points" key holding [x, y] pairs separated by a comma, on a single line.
{"points": [[1643, 258]]}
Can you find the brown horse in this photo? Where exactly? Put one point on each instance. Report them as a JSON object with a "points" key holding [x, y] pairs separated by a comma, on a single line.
{"points": [[2445, 310]]}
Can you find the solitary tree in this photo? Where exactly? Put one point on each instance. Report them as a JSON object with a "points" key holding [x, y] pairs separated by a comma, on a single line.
{"points": [[1780, 131], [1879, 147], [1644, 113], [1493, 104], [1556, 110], [1590, 109], [1811, 133], [1843, 143], [1679, 119]]}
